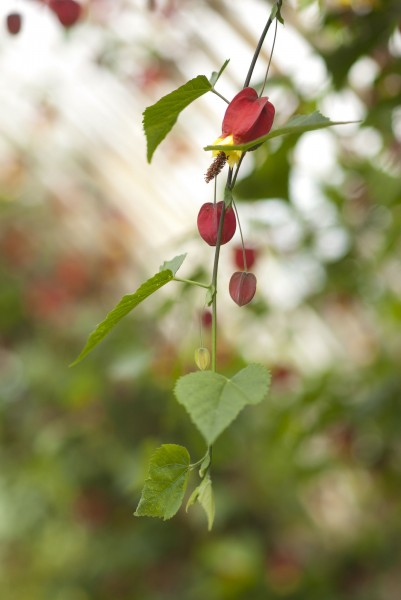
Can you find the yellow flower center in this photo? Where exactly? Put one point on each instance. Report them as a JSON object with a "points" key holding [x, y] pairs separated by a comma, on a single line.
{"points": [[233, 156]]}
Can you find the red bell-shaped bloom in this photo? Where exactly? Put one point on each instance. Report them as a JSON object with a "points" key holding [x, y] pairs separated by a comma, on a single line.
{"points": [[248, 117]]}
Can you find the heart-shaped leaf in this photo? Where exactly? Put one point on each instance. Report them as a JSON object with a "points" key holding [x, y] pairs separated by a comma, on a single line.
{"points": [[166, 482], [213, 401]]}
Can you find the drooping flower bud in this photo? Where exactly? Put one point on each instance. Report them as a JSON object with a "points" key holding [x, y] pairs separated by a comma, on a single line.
{"points": [[202, 358], [242, 287], [208, 223]]}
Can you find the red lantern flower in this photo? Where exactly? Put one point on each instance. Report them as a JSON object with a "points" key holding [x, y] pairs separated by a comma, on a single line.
{"points": [[209, 220], [68, 11], [13, 23], [247, 118], [242, 287], [250, 257]]}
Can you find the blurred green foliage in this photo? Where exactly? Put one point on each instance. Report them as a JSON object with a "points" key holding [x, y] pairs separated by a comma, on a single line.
{"points": [[307, 485]]}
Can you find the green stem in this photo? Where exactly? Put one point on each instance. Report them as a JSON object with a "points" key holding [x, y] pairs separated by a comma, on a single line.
{"points": [[214, 277], [259, 47], [229, 185], [270, 60], [220, 96], [242, 238], [232, 184], [191, 282], [199, 462]]}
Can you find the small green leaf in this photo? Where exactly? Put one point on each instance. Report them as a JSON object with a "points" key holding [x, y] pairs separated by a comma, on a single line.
{"points": [[205, 465], [276, 12], [192, 499], [214, 401], [228, 197], [126, 304], [298, 124], [204, 495], [206, 500], [166, 483], [160, 118], [216, 76], [174, 264]]}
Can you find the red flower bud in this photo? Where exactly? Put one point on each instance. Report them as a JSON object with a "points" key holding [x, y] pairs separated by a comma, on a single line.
{"points": [[242, 287], [206, 318], [250, 257], [247, 117], [208, 223], [14, 22], [68, 11]]}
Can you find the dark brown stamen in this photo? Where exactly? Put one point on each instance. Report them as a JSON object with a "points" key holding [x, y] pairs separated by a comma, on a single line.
{"points": [[216, 166]]}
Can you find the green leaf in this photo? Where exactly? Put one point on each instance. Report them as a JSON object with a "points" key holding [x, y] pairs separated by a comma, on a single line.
{"points": [[271, 174], [297, 124], [126, 304], [206, 500], [166, 482], [159, 119], [192, 499], [204, 495], [213, 401], [205, 465], [174, 264], [216, 76], [276, 13]]}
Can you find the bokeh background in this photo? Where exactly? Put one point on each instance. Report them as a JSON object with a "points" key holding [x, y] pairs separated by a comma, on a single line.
{"points": [[308, 484]]}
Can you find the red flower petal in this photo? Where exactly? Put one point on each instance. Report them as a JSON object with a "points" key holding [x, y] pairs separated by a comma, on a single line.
{"points": [[248, 116]]}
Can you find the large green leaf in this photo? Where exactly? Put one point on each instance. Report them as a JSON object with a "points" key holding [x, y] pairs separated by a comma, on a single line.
{"points": [[166, 482], [298, 124], [213, 401], [160, 118], [126, 304]]}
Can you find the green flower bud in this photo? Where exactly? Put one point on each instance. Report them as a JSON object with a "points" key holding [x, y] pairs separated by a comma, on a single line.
{"points": [[202, 358]]}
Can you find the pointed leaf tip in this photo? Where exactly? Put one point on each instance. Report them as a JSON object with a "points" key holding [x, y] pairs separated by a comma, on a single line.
{"points": [[125, 306], [174, 264], [160, 118]]}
